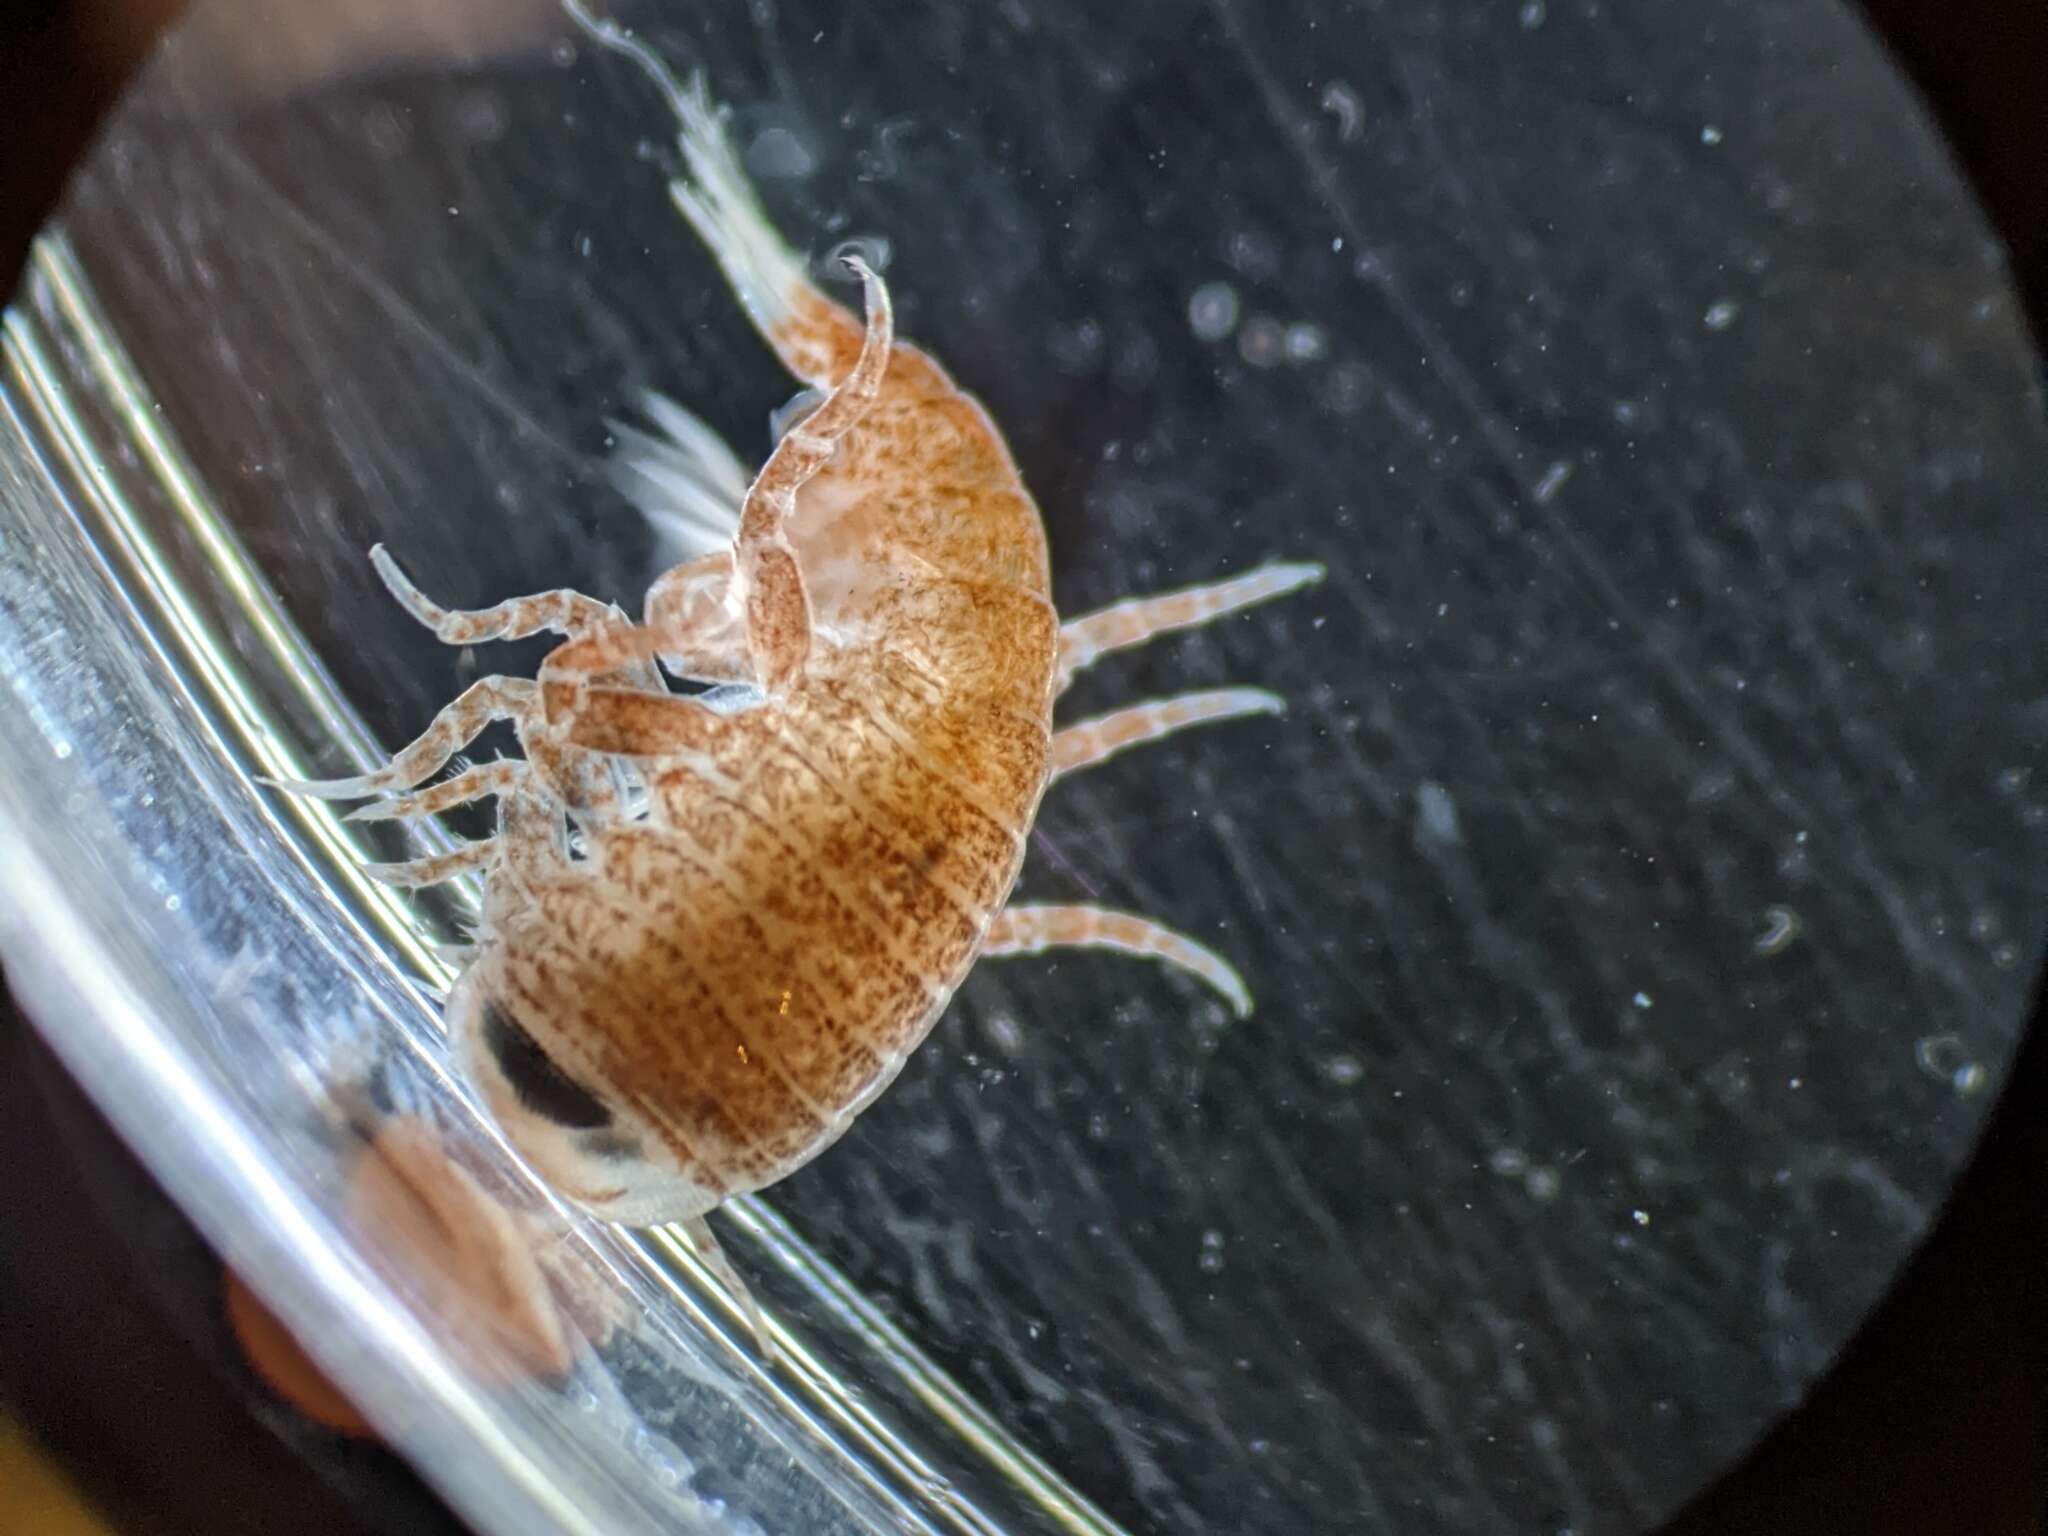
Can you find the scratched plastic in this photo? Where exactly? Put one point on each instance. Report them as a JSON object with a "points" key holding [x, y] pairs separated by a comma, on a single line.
{"points": [[1641, 894]]}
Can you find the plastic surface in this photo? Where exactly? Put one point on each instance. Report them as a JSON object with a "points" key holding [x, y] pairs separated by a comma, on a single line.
{"points": [[1641, 895]]}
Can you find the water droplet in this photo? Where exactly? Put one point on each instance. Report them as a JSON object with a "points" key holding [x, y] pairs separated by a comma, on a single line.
{"points": [[1262, 343], [875, 250], [1342, 103], [1210, 1262], [1076, 348], [1642, 1000], [1531, 15], [1781, 928], [1343, 1069], [1212, 311], [1253, 253], [1720, 314], [1710, 134], [1005, 1034], [1306, 343], [1542, 1182], [1552, 482], [1436, 815], [779, 155], [1640, 1217], [62, 749], [1947, 1059], [1508, 1161]]}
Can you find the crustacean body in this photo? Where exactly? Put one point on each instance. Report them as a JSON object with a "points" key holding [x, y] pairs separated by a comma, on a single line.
{"points": [[717, 923]]}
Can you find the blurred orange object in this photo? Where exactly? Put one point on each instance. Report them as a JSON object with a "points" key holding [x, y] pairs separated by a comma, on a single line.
{"points": [[463, 1261], [285, 1368]]}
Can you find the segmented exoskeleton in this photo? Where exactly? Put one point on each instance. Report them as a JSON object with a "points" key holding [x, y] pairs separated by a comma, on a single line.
{"points": [[717, 923]]}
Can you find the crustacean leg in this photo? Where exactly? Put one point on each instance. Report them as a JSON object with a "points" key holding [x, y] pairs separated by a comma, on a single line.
{"points": [[778, 610], [588, 784], [483, 701], [1029, 930], [561, 610], [496, 778], [683, 619], [626, 723], [564, 611], [705, 1241], [437, 867], [1138, 619], [698, 634], [1091, 741]]}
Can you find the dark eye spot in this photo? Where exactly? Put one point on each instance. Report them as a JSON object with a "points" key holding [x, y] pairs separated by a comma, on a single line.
{"points": [[536, 1081]]}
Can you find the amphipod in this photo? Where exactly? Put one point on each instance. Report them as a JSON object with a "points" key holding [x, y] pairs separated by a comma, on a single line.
{"points": [[716, 923]]}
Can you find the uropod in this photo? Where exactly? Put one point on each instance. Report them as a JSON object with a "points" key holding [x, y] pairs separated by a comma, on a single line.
{"points": [[716, 923]]}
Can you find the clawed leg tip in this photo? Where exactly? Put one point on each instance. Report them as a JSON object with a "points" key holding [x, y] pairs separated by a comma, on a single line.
{"points": [[1231, 988]]}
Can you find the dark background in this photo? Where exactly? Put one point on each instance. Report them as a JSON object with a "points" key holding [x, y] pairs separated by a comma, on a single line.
{"points": [[1931, 1421]]}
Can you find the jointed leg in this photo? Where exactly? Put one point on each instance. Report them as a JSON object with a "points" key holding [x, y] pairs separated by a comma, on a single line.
{"points": [[438, 867], [588, 724], [705, 1242], [1029, 930], [1138, 619], [624, 723], [563, 611], [533, 838], [486, 779], [485, 700], [1091, 741], [687, 615], [778, 610]]}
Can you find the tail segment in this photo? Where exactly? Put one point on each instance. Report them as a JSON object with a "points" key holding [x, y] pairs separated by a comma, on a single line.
{"points": [[816, 339]]}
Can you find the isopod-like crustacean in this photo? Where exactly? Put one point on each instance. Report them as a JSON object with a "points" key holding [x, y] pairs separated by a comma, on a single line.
{"points": [[717, 922]]}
